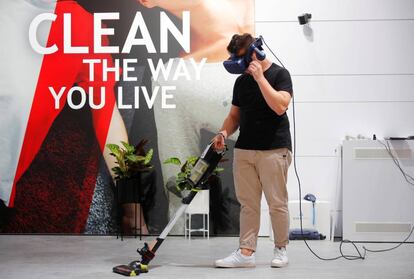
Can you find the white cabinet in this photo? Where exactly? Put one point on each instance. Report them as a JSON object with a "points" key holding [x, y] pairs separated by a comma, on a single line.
{"points": [[377, 201]]}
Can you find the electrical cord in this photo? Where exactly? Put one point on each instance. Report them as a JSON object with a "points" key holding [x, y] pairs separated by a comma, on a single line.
{"points": [[407, 177], [342, 255], [272, 52], [360, 255]]}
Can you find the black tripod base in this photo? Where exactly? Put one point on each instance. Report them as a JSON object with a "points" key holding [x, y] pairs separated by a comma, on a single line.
{"points": [[135, 268]]}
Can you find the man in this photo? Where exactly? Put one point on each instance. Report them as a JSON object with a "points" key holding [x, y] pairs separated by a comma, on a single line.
{"points": [[262, 153]]}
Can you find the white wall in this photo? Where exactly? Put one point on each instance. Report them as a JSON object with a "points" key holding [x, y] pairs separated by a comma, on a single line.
{"points": [[353, 75]]}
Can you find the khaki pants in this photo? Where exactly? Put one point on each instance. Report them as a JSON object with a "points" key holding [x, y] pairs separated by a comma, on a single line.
{"points": [[256, 171]]}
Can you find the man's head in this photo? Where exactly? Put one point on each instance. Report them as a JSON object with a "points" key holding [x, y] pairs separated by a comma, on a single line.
{"points": [[239, 43], [244, 49]]}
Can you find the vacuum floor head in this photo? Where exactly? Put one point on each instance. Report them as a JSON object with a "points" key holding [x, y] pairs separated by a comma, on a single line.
{"points": [[135, 268]]}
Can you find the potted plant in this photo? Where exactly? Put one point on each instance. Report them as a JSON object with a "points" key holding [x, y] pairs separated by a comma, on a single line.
{"points": [[181, 183], [180, 187], [135, 184], [218, 198]]}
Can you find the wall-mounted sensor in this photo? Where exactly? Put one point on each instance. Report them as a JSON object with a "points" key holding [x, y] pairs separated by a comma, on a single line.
{"points": [[304, 18]]}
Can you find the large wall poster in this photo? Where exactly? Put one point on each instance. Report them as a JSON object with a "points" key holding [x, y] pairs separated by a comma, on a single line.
{"points": [[76, 75]]}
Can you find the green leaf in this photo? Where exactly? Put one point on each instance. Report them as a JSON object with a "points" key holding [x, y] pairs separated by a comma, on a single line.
{"points": [[192, 160], [114, 148], [173, 160], [129, 148], [134, 158], [218, 169], [181, 175], [184, 167], [182, 185], [148, 157], [117, 171]]}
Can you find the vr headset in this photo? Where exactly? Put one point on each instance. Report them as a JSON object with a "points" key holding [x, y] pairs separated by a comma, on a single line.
{"points": [[238, 64]]}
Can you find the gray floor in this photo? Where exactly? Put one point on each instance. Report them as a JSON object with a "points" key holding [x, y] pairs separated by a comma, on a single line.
{"points": [[93, 257]]}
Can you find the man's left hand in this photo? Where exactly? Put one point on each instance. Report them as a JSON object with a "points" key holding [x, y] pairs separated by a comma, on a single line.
{"points": [[255, 69]]}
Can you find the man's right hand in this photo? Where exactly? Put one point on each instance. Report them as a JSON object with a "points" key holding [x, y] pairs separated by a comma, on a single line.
{"points": [[218, 142]]}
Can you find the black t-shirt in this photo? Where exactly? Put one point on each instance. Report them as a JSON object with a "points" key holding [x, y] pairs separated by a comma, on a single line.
{"points": [[260, 127]]}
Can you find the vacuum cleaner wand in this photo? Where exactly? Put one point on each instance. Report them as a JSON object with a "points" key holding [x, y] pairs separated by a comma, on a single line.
{"points": [[197, 179]]}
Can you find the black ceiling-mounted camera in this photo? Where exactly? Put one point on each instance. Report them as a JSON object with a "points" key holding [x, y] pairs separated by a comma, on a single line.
{"points": [[304, 18]]}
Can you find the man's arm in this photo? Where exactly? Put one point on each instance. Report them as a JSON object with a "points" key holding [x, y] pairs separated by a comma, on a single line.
{"points": [[230, 125], [278, 101], [232, 121]]}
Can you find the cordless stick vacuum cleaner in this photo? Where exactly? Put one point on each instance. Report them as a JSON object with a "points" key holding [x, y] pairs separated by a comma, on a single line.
{"points": [[197, 179]]}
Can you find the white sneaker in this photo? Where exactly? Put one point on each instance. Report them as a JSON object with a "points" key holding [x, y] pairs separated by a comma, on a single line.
{"points": [[237, 259], [280, 258]]}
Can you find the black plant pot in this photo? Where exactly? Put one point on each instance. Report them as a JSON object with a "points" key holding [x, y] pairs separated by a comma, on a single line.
{"points": [[138, 189]]}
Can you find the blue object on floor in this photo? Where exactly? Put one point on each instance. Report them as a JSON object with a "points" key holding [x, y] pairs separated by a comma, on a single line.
{"points": [[308, 234]]}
